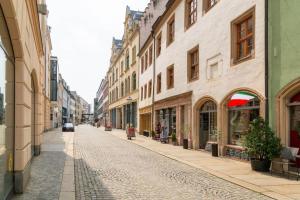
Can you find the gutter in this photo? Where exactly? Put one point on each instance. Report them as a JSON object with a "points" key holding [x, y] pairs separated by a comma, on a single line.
{"points": [[153, 78], [266, 61]]}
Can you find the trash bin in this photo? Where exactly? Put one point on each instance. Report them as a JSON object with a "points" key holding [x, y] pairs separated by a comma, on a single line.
{"points": [[214, 150]]}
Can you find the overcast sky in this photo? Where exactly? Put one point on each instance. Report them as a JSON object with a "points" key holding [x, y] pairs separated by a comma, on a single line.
{"points": [[82, 32]]}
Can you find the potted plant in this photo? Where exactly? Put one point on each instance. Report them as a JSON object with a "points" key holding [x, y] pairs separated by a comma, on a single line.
{"points": [[261, 145], [174, 139], [186, 130]]}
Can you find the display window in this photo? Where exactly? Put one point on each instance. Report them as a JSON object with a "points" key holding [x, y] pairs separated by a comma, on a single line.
{"points": [[243, 109]]}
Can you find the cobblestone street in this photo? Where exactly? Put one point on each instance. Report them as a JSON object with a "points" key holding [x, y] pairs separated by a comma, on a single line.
{"points": [[107, 167]]}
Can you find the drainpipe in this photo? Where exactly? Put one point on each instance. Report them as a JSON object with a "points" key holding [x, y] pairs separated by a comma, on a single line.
{"points": [[266, 61], [153, 80]]}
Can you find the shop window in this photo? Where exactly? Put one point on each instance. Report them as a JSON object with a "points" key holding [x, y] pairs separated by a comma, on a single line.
{"points": [[158, 45], [171, 30], [193, 64], [295, 121], [158, 86], [170, 77], [190, 12], [243, 37], [243, 109], [208, 4]]}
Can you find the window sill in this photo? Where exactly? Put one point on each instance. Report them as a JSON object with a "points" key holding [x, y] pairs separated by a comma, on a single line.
{"points": [[193, 80], [169, 88], [244, 59]]}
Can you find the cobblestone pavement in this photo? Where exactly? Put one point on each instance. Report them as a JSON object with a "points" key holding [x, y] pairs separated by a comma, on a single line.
{"points": [[107, 167], [46, 176]]}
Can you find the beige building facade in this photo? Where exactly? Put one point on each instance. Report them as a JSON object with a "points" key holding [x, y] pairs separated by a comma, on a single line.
{"points": [[207, 56], [123, 74], [22, 78]]}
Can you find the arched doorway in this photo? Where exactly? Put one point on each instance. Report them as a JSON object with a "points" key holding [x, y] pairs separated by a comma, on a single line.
{"points": [[32, 117], [208, 124], [294, 112]]}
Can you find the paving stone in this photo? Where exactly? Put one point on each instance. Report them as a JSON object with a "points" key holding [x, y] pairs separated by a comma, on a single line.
{"points": [[107, 167]]}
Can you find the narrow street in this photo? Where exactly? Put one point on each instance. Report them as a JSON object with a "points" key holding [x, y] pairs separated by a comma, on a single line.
{"points": [[107, 167]]}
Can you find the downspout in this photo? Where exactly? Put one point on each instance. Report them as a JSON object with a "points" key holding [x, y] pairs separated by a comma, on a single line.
{"points": [[153, 78], [266, 61]]}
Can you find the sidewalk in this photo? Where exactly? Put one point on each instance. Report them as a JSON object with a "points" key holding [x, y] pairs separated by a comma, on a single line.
{"points": [[233, 171], [52, 172]]}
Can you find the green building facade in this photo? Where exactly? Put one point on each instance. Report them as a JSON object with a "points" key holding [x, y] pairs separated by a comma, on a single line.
{"points": [[284, 69]]}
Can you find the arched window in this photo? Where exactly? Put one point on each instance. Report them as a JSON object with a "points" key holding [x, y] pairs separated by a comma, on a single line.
{"points": [[294, 107], [208, 123], [243, 108], [133, 81]]}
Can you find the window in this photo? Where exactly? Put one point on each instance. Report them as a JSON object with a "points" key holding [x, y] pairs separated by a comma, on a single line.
{"points": [[133, 81], [145, 91], [126, 86], [190, 12], [243, 37], [142, 93], [122, 89], [146, 60], [134, 54], [128, 82], [117, 93], [149, 88], [117, 74], [142, 64], [158, 86], [193, 64], [127, 60], [171, 30], [170, 77], [122, 67], [150, 55], [208, 4], [158, 45], [243, 109]]}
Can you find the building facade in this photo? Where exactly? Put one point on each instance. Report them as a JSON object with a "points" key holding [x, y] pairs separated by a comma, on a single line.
{"points": [[147, 61], [203, 86], [284, 71], [23, 56], [123, 74]]}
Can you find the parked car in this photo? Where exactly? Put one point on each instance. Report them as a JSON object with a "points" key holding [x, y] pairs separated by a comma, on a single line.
{"points": [[68, 127]]}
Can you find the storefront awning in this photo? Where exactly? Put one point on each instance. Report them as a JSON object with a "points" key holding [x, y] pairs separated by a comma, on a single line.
{"points": [[240, 98]]}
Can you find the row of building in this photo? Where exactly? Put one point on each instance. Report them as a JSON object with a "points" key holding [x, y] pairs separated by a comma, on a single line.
{"points": [[204, 69], [34, 97], [66, 105]]}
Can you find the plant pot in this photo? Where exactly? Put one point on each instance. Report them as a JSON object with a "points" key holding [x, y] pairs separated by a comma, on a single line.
{"points": [[174, 143], [185, 143], [214, 150], [260, 165]]}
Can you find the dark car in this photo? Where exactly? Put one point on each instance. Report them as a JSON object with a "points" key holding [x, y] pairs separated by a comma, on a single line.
{"points": [[68, 127]]}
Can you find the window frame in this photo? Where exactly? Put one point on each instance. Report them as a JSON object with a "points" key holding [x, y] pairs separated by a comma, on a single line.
{"points": [[158, 44], [169, 86], [235, 58], [158, 85], [190, 65], [206, 7], [189, 13], [171, 30], [150, 55], [149, 88]]}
